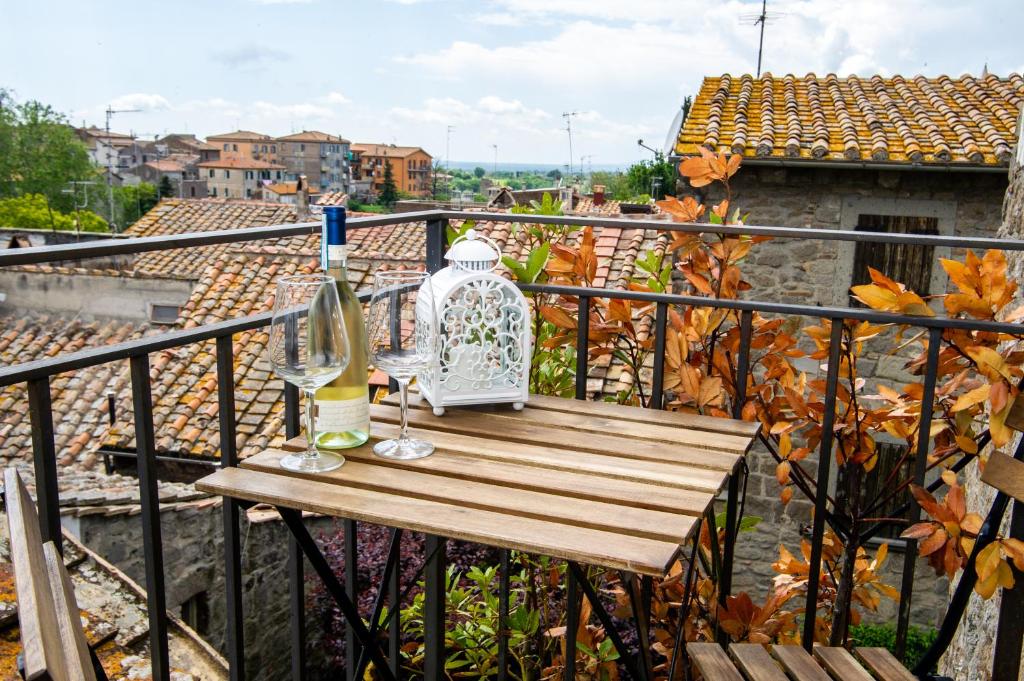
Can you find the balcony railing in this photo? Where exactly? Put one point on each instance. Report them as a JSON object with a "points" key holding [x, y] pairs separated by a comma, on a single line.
{"points": [[37, 375]]}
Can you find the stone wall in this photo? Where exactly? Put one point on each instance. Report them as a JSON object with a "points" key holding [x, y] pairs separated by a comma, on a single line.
{"points": [[969, 657], [818, 273], [193, 548]]}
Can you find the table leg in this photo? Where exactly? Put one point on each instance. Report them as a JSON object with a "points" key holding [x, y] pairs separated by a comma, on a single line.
{"points": [[639, 607], [390, 569], [297, 609], [504, 577], [433, 608], [572, 615], [293, 519], [679, 650], [581, 581], [352, 652], [395, 609]]}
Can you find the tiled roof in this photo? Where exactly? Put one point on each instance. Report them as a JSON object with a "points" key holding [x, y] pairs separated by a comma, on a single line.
{"points": [[239, 136], [333, 199], [969, 120], [80, 409], [242, 164], [182, 216], [166, 165], [389, 150], [312, 136], [284, 188]]}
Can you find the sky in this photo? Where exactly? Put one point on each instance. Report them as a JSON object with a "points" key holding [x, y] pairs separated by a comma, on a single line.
{"points": [[499, 72]]}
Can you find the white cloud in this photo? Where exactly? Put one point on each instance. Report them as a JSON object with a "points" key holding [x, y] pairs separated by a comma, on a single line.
{"points": [[140, 100], [251, 56], [498, 19], [300, 111], [337, 98]]}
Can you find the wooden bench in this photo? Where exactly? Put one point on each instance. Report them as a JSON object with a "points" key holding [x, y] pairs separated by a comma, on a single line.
{"points": [[52, 640], [755, 662]]}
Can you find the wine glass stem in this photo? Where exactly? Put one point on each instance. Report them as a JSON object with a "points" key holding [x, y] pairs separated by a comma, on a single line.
{"points": [[311, 451], [403, 392]]}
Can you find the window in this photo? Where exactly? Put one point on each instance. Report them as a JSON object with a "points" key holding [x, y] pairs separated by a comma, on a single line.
{"points": [[212, 171], [248, 174], [906, 263], [227, 174], [279, 174], [248, 193], [192, 191], [164, 313], [264, 148], [273, 148], [195, 612], [302, 147], [227, 193], [226, 146], [234, 147], [213, 192]]}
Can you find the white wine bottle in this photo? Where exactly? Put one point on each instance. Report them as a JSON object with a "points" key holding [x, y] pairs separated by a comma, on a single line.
{"points": [[343, 405]]}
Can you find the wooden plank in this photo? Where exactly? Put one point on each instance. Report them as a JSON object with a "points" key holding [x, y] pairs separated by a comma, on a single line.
{"points": [[505, 430], [365, 474], [572, 483], [1006, 474], [883, 664], [37, 615], [69, 619], [584, 545], [675, 419], [756, 664], [472, 449], [713, 663], [799, 664], [1015, 417], [838, 662], [602, 424]]}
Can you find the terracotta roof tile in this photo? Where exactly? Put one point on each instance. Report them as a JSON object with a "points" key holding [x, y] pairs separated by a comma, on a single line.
{"points": [[920, 120]]}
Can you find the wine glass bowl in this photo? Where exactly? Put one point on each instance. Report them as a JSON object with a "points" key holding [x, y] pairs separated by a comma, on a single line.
{"points": [[402, 335], [309, 348]]}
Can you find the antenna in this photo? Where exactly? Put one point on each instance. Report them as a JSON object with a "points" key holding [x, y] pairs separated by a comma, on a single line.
{"points": [[495, 170], [73, 190], [761, 19], [447, 161], [568, 116], [110, 166]]}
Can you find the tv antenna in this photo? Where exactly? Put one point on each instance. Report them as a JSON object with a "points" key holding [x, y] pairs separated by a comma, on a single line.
{"points": [[78, 188], [568, 116], [761, 19], [110, 166], [494, 171]]}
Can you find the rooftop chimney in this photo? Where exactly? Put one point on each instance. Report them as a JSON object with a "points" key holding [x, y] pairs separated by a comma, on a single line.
{"points": [[598, 194], [301, 200]]}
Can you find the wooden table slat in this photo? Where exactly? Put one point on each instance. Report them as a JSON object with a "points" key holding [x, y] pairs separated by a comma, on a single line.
{"points": [[883, 664], [838, 662], [529, 455], [756, 664], [799, 663], [584, 545], [508, 430], [712, 662], [578, 420], [364, 474]]}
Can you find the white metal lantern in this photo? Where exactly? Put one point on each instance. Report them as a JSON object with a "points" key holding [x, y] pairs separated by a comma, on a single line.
{"points": [[484, 328]]}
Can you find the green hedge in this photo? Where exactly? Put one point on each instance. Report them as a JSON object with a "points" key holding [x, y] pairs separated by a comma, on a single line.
{"points": [[30, 212], [884, 636]]}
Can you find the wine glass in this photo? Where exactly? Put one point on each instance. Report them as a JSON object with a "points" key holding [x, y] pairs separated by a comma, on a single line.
{"points": [[402, 335], [309, 348]]}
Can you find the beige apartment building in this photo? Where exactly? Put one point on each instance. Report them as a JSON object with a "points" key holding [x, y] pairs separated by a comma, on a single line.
{"points": [[245, 144], [321, 157], [239, 178]]}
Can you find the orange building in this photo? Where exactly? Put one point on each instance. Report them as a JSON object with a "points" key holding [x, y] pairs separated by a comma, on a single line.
{"points": [[410, 167], [245, 144]]}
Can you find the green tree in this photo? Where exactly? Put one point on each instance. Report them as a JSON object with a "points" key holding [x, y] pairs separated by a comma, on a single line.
{"points": [[39, 153], [643, 177], [616, 184], [32, 211], [479, 172], [166, 188], [133, 201], [555, 174], [389, 192]]}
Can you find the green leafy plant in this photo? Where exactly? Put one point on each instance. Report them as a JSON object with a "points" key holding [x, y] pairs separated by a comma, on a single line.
{"points": [[884, 636]]}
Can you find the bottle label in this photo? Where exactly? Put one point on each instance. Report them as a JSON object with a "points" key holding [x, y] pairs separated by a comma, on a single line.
{"points": [[337, 253], [339, 416]]}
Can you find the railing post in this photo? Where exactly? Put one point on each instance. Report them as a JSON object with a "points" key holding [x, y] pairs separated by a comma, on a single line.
{"points": [[232, 538], [743, 363], [658, 380], [145, 447], [437, 236], [296, 566], [821, 490], [920, 466], [582, 347], [44, 457], [1010, 631]]}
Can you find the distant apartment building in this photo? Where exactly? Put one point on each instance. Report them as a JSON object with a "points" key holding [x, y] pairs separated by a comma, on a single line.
{"points": [[183, 172], [410, 166], [287, 193], [239, 178], [322, 158], [104, 147], [245, 144]]}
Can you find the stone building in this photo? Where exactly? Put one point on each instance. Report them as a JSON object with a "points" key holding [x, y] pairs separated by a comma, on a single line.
{"points": [[884, 154], [322, 158]]}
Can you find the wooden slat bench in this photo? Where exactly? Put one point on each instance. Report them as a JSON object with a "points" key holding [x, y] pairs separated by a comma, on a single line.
{"points": [[754, 662], [52, 640]]}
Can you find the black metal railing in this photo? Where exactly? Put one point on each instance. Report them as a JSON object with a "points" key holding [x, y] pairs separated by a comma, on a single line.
{"points": [[37, 375]]}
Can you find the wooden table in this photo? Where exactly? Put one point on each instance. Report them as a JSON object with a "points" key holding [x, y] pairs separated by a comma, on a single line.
{"points": [[586, 482]]}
